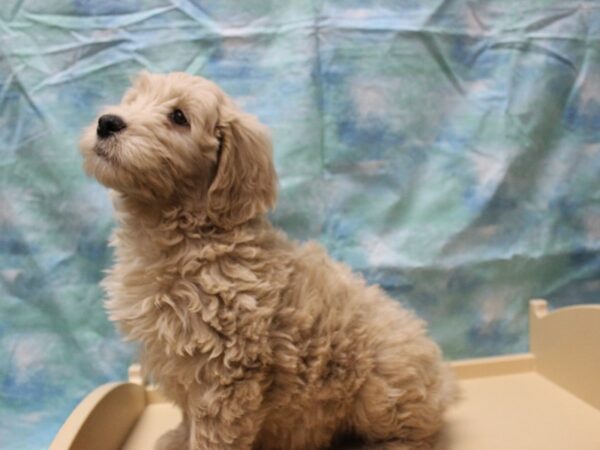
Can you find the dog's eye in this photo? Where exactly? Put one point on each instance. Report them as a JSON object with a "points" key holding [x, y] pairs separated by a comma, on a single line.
{"points": [[178, 117]]}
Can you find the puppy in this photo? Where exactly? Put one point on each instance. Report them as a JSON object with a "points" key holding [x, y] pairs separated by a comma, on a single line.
{"points": [[263, 343]]}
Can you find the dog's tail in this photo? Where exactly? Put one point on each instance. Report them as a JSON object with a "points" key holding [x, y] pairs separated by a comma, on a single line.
{"points": [[450, 392]]}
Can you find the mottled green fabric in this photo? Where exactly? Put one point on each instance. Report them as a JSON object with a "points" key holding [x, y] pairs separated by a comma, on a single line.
{"points": [[448, 150]]}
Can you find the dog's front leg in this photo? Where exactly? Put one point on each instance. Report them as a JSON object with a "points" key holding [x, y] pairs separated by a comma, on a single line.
{"points": [[225, 417]]}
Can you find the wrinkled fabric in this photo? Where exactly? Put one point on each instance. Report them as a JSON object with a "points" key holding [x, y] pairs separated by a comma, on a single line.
{"points": [[447, 150]]}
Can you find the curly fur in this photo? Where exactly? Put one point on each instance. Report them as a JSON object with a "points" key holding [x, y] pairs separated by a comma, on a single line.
{"points": [[263, 343]]}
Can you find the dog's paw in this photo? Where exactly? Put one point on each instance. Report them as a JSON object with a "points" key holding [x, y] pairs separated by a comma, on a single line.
{"points": [[176, 439], [390, 445]]}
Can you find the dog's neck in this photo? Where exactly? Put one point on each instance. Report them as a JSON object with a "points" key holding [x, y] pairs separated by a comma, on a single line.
{"points": [[172, 222], [155, 215]]}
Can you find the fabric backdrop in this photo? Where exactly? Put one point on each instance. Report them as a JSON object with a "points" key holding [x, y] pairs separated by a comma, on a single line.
{"points": [[448, 150]]}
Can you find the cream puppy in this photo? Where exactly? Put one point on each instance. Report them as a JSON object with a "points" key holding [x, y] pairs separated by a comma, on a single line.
{"points": [[263, 343]]}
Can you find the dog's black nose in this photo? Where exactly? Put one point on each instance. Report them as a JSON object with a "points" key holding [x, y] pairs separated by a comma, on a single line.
{"points": [[109, 124]]}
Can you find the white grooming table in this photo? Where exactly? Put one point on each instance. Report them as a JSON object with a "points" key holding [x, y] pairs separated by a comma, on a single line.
{"points": [[548, 399]]}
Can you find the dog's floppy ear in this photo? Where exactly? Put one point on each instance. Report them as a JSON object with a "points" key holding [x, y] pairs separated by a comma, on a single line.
{"points": [[245, 184]]}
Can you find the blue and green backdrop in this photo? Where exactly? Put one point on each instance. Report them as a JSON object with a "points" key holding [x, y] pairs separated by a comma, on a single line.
{"points": [[448, 150]]}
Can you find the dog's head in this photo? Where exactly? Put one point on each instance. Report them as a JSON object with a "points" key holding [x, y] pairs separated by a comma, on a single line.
{"points": [[178, 135]]}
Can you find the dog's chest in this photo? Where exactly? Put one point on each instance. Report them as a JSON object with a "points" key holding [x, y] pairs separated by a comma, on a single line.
{"points": [[190, 306]]}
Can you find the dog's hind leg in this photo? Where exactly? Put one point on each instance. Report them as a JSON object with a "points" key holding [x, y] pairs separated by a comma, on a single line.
{"points": [[396, 417], [407, 391]]}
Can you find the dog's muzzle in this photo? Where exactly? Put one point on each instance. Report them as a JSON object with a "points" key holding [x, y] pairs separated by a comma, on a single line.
{"points": [[108, 125]]}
